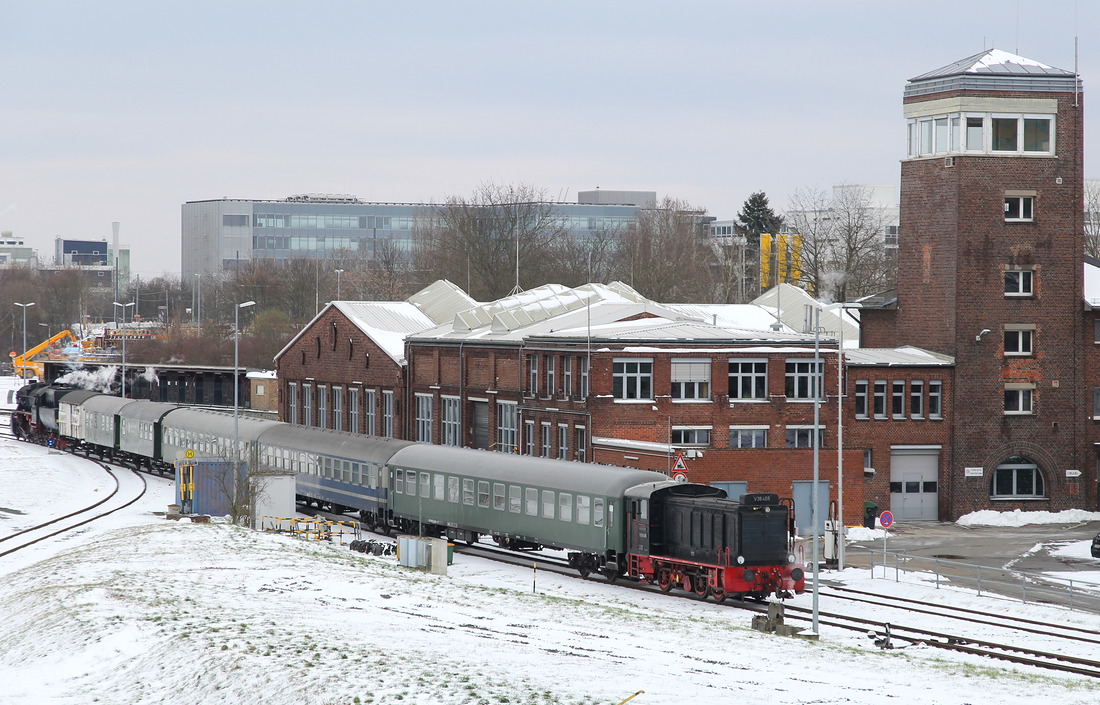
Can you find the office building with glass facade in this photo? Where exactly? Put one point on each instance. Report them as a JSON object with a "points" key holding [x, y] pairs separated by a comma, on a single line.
{"points": [[218, 234]]}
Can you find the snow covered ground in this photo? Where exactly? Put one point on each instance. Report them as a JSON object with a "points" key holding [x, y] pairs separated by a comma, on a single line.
{"points": [[143, 610]]}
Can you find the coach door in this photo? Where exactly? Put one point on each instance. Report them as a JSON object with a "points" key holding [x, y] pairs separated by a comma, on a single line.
{"points": [[914, 483]]}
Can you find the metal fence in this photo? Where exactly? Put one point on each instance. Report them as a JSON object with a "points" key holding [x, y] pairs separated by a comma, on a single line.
{"points": [[1035, 588]]}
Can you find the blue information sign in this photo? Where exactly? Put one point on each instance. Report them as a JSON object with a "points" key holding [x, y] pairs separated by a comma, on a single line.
{"points": [[886, 519]]}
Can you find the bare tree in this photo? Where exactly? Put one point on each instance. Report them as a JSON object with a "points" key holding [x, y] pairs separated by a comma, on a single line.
{"points": [[496, 240], [842, 241], [1092, 217], [666, 257]]}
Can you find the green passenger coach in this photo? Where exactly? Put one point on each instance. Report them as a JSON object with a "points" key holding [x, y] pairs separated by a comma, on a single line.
{"points": [[522, 502]]}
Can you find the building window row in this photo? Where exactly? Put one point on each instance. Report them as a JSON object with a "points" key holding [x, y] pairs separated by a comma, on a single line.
{"points": [[981, 133], [632, 378], [544, 379], [882, 399]]}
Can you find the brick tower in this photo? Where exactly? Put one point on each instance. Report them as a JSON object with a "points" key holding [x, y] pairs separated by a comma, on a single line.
{"points": [[990, 272]]}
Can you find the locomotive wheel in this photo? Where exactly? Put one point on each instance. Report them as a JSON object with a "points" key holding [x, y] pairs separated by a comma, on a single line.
{"points": [[702, 588], [611, 574], [664, 579], [719, 595]]}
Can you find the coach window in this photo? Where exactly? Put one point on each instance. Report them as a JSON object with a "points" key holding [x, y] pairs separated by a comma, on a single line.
{"points": [[565, 506], [440, 494], [410, 483], [584, 509], [399, 482], [515, 500], [452, 489], [597, 511], [532, 500], [498, 496], [425, 484], [483, 494], [468, 491], [548, 504]]}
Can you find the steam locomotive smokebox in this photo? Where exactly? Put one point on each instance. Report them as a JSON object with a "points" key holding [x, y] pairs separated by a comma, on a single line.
{"points": [[207, 486]]}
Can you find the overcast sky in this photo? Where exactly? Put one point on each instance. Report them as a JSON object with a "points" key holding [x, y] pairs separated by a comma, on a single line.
{"points": [[125, 110]]}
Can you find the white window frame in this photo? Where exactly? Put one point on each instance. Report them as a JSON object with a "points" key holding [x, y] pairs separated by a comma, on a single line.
{"points": [[567, 375], [547, 440], [632, 378], [338, 408], [307, 405], [755, 376], [690, 379], [563, 441], [756, 435], [862, 397], [370, 401], [935, 399], [507, 427], [1019, 282], [353, 409], [586, 365], [581, 451], [529, 437], [1019, 399], [916, 398], [1019, 339], [897, 399], [533, 371], [322, 406], [1023, 211], [801, 379], [387, 413], [550, 375], [691, 436], [452, 421], [803, 436], [292, 401], [424, 404]]}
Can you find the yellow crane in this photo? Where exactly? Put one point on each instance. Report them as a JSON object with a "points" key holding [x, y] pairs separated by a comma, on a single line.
{"points": [[27, 362]]}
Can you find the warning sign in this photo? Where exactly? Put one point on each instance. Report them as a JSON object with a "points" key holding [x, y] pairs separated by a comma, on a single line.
{"points": [[679, 465]]}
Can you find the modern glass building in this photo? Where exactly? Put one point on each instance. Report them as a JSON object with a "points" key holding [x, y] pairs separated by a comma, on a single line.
{"points": [[218, 234]]}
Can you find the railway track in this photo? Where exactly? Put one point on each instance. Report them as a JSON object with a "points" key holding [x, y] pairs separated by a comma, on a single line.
{"points": [[124, 493], [1074, 645]]}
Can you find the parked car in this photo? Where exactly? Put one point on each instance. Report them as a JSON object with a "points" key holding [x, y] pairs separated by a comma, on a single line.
{"points": [[1096, 546]]}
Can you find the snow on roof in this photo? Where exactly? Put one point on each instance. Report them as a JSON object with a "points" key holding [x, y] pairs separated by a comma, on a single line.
{"points": [[905, 356], [262, 374], [993, 69], [792, 302], [387, 323], [441, 300]]}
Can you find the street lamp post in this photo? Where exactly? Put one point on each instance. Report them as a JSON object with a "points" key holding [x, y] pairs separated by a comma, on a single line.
{"points": [[818, 383], [236, 395], [23, 369], [338, 273], [123, 307]]}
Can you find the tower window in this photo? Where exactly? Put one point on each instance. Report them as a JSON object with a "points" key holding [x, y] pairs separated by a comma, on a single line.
{"points": [[1019, 209], [1019, 339], [1019, 399], [1019, 282]]}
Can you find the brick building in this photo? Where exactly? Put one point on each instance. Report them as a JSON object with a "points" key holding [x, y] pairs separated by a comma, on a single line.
{"points": [[990, 275]]}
